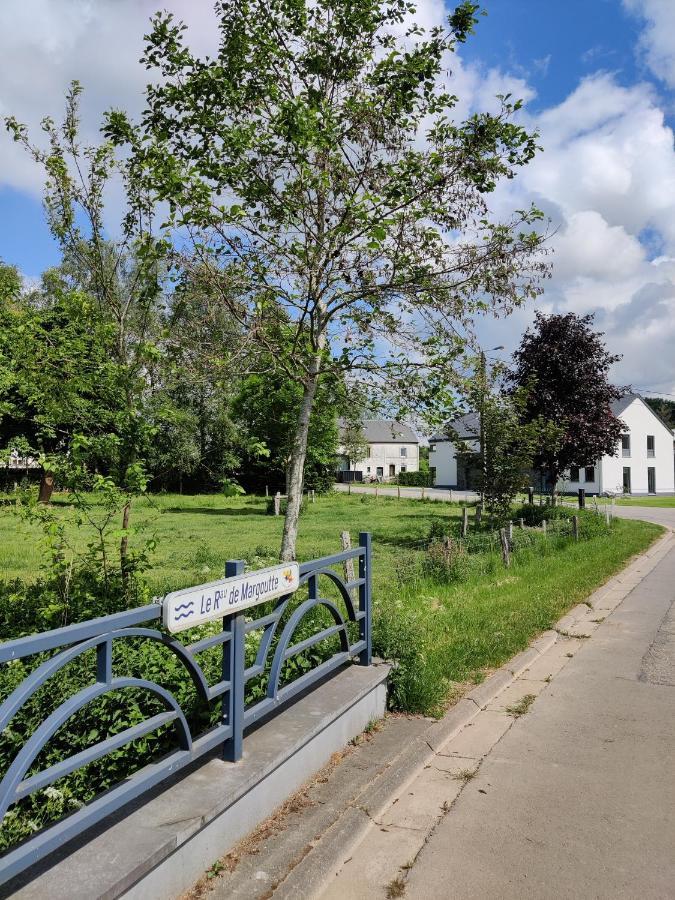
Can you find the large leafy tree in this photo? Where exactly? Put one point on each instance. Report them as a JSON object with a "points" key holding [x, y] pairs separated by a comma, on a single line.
{"points": [[266, 408], [563, 365], [317, 167], [120, 284]]}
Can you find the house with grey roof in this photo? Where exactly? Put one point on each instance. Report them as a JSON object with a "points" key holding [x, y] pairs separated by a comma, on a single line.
{"points": [[642, 463], [392, 448]]}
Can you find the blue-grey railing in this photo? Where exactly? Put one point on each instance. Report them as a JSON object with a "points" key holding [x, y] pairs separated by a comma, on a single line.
{"points": [[100, 634]]}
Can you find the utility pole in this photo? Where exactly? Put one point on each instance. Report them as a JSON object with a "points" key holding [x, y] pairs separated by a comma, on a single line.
{"points": [[483, 394]]}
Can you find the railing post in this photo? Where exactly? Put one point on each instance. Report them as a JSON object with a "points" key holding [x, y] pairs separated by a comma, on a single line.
{"points": [[365, 597], [234, 663]]}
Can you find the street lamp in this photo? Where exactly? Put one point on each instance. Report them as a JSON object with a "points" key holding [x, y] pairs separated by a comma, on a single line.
{"points": [[483, 392]]}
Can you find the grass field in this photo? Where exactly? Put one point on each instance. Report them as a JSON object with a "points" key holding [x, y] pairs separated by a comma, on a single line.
{"points": [[439, 630]]}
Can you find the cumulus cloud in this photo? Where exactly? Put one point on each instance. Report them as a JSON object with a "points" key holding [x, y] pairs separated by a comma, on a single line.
{"points": [[606, 177], [657, 42]]}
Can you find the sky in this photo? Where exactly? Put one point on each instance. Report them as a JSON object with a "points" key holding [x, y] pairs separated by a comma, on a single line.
{"points": [[598, 81]]}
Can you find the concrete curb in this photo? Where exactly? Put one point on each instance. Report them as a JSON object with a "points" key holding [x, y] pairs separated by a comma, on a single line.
{"points": [[328, 853], [337, 842]]}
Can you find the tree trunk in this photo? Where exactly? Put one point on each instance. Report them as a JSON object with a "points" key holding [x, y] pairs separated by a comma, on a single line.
{"points": [[124, 546], [296, 465], [46, 487]]}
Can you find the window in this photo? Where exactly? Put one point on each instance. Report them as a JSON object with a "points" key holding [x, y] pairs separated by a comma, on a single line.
{"points": [[651, 480], [625, 445], [574, 473], [590, 473], [404, 451], [379, 471], [626, 479], [651, 450], [404, 468], [368, 470]]}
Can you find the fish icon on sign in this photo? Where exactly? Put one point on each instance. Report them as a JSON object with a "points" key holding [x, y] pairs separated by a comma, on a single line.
{"points": [[184, 610]]}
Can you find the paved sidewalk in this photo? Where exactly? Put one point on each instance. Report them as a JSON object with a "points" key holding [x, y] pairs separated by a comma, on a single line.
{"points": [[573, 799], [578, 798]]}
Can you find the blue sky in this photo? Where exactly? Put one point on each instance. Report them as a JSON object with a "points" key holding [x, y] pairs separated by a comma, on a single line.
{"points": [[598, 77]]}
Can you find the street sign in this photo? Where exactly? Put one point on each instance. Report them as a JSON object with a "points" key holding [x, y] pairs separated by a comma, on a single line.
{"points": [[207, 602]]}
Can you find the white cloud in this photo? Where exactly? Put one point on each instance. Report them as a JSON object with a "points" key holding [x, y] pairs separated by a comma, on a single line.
{"points": [[657, 41], [606, 176], [45, 44]]}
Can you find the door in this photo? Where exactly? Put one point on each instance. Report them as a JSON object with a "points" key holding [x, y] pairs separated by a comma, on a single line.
{"points": [[626, 479], [651, 480], [392, 470]]}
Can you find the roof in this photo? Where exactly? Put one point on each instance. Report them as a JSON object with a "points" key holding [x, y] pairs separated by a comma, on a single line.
{"points": [[386, 431], [620, 406], [464, 427]]}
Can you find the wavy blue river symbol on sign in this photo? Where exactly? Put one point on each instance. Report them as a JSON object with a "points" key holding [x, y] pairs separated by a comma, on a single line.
{"points": [[184, 610]]}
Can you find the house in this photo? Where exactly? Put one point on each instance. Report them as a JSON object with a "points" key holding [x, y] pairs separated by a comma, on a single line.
{"points": [[392, 448], [643, 462], [448, 467]]}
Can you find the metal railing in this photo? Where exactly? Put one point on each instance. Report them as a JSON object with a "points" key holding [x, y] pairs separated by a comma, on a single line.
{"points": [[274, 650]]}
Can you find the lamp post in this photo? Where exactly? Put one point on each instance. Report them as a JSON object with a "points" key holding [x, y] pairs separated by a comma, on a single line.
{"points": [[483, 392]]}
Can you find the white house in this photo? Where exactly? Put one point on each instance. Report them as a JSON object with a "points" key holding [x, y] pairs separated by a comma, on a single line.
{"points": [[392, 448], [643, 463]]}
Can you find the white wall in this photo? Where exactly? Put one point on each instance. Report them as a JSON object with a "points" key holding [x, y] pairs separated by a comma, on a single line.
{"points": [[442, 458], [383, 456], [640, 422]]}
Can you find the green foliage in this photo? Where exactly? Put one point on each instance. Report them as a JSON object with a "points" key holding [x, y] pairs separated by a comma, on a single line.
{"points": [[416, 479], [293, 156], [266, 407], [563, 366]]}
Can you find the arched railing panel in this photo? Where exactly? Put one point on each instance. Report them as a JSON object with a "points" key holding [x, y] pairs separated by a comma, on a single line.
{"points": [[274, 649]]}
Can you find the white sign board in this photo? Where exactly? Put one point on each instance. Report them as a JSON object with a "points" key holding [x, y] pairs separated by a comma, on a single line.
{"points": [[206, 602]]}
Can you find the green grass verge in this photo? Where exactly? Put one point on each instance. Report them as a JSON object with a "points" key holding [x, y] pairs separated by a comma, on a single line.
{"points": [[439, 632]]}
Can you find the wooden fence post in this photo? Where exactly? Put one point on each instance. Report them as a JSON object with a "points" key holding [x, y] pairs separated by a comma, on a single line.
{"points": [[510, 531], [399, 491], [506, 554], [267, 490], [521, 522], [543, 526], [479, 513], [377, 487], [422, 492], [346, 540], [575, 527], [349, 487], [465, 521], [450, 495], [277, 503]]}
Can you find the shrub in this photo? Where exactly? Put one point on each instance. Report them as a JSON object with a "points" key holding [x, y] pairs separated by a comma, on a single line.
{"points": [[416, 479]]}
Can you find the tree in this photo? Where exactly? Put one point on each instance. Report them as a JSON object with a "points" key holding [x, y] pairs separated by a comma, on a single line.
{"points": [[266, 408], [316, 165], [353, 441], [564, 366], [663, 408], [120, 285]]}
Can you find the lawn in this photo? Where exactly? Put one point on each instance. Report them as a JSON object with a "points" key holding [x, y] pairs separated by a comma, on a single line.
{"points": [[440, 629], [441, 625]]}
